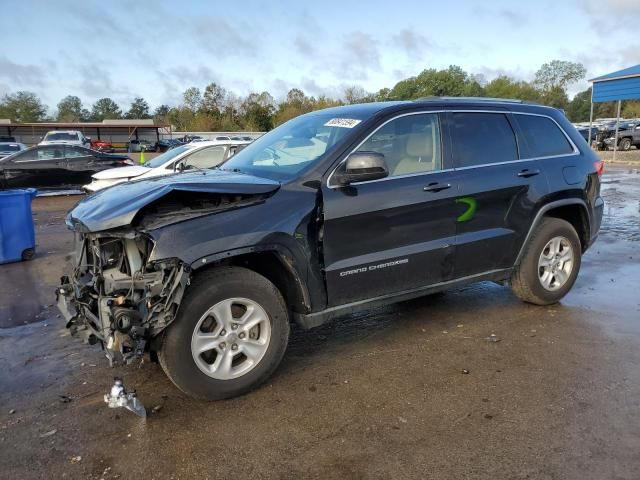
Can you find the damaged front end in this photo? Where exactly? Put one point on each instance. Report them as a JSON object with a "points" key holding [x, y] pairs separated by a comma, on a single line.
{"points": [[116, 297]]}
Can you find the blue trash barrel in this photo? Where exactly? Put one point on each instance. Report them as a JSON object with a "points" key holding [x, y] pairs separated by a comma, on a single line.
{"points": [[17, 234]]}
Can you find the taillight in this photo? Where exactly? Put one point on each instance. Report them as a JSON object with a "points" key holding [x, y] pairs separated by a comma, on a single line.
{"points": [[599, 167]]}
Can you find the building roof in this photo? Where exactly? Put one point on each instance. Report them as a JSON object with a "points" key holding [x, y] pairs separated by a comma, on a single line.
{"points": [[133, 123], [620, 85], [624, 73]]}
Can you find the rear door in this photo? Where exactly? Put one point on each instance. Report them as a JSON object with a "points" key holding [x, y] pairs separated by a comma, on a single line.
{"points": [[394, 234], [498, 190], [82, 163]]}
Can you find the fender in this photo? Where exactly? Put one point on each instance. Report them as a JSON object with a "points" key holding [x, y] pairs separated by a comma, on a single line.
{"points": [[285, 255], [544, 209]]}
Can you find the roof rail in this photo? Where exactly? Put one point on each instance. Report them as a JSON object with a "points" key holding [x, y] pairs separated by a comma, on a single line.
{"points": [[470, 99]]}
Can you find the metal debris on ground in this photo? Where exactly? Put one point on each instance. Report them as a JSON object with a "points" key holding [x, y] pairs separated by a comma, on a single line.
{"points": [[12, 411], [118, 397], [49, 433], [64, 399], [76, 459], [492, 338], [465, 371]]}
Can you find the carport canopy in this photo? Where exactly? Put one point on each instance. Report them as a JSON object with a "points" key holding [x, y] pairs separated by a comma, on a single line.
{"points": [[615, 86]]}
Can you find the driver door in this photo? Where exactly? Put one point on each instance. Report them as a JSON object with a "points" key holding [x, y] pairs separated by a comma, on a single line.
{"points": [[37, 167], [397, 233]]}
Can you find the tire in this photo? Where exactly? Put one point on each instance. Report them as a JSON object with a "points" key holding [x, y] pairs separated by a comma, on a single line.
{"points": [[624, 144], [246, 295], [28, 254], [547, 284]]}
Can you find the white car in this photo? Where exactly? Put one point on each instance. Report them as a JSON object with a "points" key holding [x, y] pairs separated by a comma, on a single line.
{"points": [[66, 137], [206, 154]]}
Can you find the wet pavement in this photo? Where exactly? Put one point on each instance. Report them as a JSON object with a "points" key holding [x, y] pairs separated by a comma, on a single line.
{"points": [[377, 395]]}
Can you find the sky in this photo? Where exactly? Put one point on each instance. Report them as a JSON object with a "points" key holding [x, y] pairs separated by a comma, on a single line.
{"points": [[157, 49]]}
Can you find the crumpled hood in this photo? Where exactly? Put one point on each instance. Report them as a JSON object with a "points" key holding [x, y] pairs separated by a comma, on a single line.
{"points": [[121, 172], [117, 206]]}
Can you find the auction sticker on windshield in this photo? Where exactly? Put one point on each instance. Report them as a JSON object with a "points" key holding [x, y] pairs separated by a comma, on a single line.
{"points": [[342, 122]]}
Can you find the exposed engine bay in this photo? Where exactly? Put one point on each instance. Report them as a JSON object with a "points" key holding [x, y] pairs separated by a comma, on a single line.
{"points": [[115, 297]]}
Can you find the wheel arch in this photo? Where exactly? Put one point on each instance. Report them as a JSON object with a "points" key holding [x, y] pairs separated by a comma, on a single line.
{"points": [[572, 210], [274, 263]]}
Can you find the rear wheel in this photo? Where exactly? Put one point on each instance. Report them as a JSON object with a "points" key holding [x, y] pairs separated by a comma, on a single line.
{"points": [[550, 263], [229, 336], [28, 254], [624, 144]]}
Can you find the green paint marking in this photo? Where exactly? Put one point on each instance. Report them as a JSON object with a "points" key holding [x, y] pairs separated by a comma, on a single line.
{"points": [[470, 211]]}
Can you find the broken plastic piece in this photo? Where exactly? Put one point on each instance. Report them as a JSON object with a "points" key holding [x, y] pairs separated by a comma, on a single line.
{"points": [[118, 397]]}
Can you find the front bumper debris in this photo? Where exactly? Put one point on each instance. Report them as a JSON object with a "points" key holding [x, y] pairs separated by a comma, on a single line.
{"points": [[118, 397], [116, 298]]}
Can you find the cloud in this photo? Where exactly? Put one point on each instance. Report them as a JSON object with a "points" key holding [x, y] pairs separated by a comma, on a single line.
{"points": [[359, 54], [512, 17], [303, 45], [217, 35], [20, 74], [413, 44], [611, 17]]}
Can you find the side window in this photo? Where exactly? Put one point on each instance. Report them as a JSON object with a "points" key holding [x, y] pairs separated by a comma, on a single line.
{"points": [[41, 153], [410, 144], [50, 152], [542, 137], [206, 157], [74, 152], [482, 138]]}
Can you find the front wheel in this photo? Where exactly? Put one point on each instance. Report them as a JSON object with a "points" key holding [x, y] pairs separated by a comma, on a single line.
{"points": [[229, 336], [550, 263]]}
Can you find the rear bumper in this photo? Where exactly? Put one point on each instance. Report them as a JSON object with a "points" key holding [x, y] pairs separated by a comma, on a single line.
{"points": [[596, 220]]}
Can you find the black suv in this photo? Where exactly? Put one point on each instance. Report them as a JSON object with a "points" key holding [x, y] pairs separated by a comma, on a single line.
{"points": [[336, 210]]}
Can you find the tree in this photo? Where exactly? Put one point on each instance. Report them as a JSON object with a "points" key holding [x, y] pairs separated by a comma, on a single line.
{"points": [[22, 107], [105, 109], [161, 114], [139, 109], [258, 111], [579, 108], [70, 110], [192, 99], [559, 74], [213, 99], [356, 94], [506, 87], [452, 82]]}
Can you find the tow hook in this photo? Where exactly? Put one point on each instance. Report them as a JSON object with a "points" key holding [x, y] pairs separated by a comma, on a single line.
{"points": [[118, 397]]}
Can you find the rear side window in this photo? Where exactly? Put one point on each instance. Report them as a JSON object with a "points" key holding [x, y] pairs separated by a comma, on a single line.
{"points": [[482, 138], [542, 137]]}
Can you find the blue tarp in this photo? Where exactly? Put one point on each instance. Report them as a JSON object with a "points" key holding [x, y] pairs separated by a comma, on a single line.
{"points": [[621, 85]]}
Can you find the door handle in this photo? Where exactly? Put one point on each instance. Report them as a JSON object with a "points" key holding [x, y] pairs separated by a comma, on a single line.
{"points": [[436, 187], [526, 173]]}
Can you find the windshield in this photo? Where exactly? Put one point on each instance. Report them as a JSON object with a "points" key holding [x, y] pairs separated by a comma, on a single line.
{"points": [[61, 136], [165, 157], [284, 152]]}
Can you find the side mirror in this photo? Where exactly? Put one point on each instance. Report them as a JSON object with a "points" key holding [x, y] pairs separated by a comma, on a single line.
{"points": [[362, 167]]}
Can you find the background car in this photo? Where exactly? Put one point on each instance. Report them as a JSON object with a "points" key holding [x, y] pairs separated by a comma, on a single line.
{"points": [[102, 145], [198, 155], [137, 145], [168, 143], [66, 137], [9, 148], [55, 166]]}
